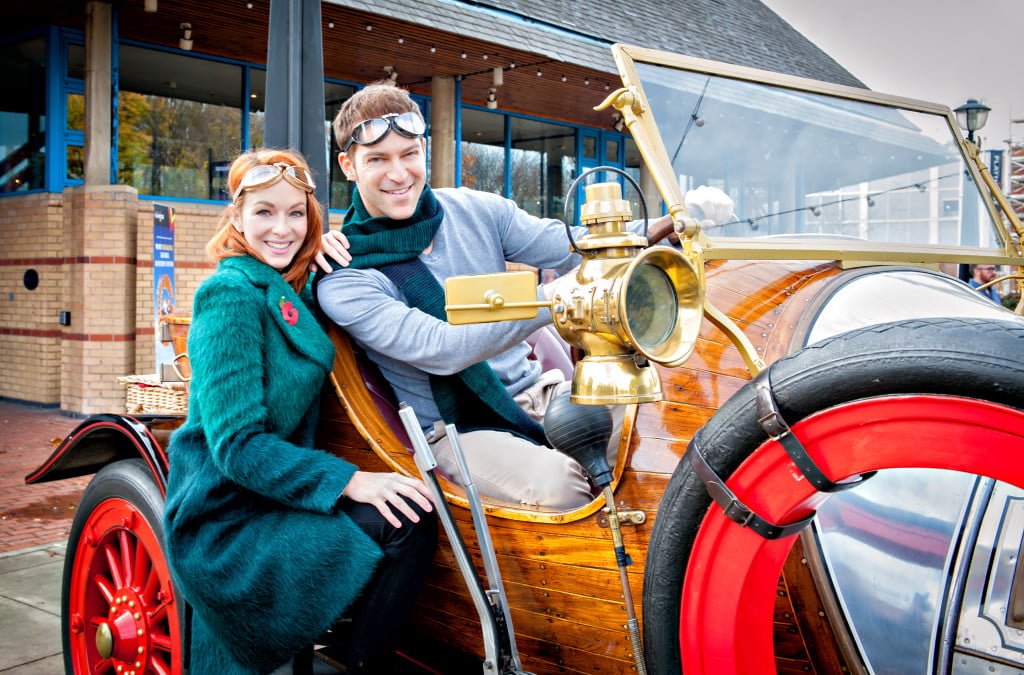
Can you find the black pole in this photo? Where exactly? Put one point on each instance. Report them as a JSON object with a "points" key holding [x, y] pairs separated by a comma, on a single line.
{"points": [[295, 86]]}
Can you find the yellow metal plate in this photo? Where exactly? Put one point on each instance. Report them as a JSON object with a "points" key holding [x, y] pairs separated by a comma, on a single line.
{"points": [[507, 296]]}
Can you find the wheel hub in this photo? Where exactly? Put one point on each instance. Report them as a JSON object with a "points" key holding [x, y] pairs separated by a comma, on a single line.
{"points": [[123, 636]]}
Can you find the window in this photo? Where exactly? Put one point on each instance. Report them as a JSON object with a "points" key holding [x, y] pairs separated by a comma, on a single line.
{"points": [[543, 162], [23, 115], [483, 151], [179, 121], [257, 106], [340, 196]]}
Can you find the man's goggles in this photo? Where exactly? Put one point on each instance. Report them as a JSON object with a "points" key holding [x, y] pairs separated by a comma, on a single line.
{"points": [[265, 175], [371, 131]]}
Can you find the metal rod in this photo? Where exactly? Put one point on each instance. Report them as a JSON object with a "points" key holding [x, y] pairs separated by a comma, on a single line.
{"points": [[632, 627], [496, 592], [426, 463]]}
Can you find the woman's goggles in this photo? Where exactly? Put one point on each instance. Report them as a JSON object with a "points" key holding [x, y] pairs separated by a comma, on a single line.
{"points": [[265, 175], [368, 132]]}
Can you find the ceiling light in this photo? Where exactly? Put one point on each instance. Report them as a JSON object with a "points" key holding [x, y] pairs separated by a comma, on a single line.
{"points": [[185, 42], [150, 6]]}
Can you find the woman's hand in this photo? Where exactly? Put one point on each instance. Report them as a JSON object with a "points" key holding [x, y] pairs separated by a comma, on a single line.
{"points": [[387, 490], [335, 245]]}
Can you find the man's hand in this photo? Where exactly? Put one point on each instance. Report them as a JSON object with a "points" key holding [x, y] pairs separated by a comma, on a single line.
{"points": [[387, 490], [711, 206], [335, 245]]}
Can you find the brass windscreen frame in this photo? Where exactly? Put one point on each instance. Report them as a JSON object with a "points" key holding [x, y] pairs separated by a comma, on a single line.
{"points": [[632, 102]]}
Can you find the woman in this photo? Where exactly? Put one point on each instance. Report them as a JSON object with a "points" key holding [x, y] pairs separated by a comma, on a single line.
{"points": [[269, 539]]}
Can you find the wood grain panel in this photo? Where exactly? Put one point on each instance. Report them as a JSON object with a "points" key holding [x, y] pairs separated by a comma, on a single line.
{"points": [[560, 575]]}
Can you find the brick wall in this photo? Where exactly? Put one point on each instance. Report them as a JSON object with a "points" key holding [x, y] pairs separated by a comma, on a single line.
{"points": [[31, 239]]}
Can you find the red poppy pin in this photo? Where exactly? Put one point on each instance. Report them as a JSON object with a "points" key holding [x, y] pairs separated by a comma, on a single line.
{"points": [[288, 312]]}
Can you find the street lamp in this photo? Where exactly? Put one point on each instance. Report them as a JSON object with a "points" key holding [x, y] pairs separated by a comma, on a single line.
{"points": [[971, 117]]}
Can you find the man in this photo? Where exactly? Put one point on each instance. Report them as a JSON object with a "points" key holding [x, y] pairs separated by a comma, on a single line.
{"points": [[982, 274], [405, 240]]}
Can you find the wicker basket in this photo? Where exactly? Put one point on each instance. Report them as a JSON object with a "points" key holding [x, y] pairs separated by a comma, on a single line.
{"points": [[147, 395]]}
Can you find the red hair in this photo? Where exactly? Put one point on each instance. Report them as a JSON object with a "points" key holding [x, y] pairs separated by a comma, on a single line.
{"points": [[229, 242]]}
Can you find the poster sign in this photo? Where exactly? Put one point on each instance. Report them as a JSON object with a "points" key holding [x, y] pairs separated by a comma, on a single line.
{"points": [[995, 165], [163, 281]]}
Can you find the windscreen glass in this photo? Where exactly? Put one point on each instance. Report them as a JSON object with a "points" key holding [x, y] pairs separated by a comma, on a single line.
{"points": [[777, 161]]}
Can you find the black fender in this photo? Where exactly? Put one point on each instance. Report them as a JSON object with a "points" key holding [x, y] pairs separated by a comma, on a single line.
{"points": [[99, 441]]}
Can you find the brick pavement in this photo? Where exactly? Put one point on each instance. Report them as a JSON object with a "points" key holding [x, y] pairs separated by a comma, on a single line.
{"points": [[31, 515]]}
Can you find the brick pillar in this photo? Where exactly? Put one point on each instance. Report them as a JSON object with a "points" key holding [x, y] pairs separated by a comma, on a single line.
{"points": [[442, 131], [100, 232]]}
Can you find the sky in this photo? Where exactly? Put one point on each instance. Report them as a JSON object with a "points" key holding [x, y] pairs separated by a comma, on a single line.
{"points": [[920, 49]]}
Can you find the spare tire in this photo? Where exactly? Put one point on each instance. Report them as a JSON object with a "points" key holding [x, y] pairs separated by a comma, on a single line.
{"points": [[956, 379]]}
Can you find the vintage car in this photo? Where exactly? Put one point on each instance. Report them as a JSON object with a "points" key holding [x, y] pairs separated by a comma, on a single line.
{"points": [[819, 466]]}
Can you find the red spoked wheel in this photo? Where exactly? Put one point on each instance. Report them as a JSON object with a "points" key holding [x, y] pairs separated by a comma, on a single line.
{"points": [[121, 614], [945, 394]]}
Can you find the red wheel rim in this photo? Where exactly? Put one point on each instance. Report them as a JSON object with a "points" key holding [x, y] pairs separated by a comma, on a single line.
{"points": [[731, 579], [122, 616]]}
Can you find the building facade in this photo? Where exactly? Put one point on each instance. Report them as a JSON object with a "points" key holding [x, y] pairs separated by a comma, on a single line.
{"points": [[114, 110]]}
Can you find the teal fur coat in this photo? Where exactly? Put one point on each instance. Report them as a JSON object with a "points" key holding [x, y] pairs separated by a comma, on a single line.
{"points": [[254, 537]]}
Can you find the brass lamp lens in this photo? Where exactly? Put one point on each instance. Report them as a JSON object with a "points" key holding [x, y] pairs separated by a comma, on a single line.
{"points": [[660, 305], [651, 306]]}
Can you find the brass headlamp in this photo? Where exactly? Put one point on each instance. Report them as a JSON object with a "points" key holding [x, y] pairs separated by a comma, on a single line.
{"points": [[625, 306]]}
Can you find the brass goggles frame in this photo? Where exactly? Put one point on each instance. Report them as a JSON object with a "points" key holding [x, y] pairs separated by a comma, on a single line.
{"points": [[369, 132], [265, 175]]}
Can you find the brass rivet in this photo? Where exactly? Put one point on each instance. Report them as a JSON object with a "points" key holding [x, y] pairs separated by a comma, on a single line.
{"points": [[139, 632], [137, 616], [140, 650], [131, 603], [138, 664], [120, 668]]}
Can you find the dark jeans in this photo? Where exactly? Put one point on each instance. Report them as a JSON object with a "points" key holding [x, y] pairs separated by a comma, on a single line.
{"points": [[384, 604]]}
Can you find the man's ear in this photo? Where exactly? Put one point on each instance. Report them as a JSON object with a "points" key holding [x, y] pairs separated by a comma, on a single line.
{"points": [[345, 162]]}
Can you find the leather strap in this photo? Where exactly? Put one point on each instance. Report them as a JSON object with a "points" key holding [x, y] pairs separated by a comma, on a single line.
{"points": [[733, 508], [771, 421]]}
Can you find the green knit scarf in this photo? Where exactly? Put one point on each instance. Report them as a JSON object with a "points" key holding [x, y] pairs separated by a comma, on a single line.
{"points": [[473, 398]]}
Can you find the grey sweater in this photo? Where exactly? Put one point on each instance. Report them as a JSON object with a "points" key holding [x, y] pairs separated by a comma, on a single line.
{"points": [[479, 233]]}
